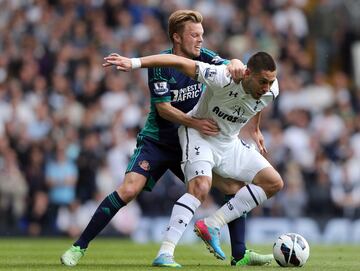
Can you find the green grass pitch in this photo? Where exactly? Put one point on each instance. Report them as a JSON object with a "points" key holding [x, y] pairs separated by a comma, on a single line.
{"points": [[118, 254]]}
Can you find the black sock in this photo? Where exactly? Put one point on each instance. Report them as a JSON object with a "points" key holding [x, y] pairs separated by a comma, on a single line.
{"points": [[237, 235], [102, 216]]}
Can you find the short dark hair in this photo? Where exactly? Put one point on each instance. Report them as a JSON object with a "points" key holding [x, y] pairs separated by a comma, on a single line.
{"points": [[261, 61]]}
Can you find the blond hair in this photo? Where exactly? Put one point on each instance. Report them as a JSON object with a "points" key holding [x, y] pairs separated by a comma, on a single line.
{"points": [[178, 19]]}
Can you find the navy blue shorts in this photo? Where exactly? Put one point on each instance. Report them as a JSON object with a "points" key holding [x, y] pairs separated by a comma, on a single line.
{"points": [[151, 159]]}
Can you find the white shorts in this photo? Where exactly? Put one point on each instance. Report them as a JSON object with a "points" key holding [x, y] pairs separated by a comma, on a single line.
{"points": [[233, 159]]}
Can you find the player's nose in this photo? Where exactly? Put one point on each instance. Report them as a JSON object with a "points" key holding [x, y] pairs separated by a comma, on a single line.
{"points": [[265, 88]]}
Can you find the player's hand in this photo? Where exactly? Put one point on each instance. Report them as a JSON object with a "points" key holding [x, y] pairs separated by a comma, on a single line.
{"points": [[237, 70], [258, 138], [207, 127], [121, 63], [112, 56]]}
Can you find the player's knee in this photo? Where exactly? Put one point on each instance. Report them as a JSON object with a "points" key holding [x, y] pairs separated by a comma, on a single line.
{"points": [[200, 187], [270, 180], [131, 187], [128, 192], [277, 184]]}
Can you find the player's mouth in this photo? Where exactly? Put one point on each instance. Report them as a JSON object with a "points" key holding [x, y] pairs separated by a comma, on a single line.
{"points": [[259, 94]]}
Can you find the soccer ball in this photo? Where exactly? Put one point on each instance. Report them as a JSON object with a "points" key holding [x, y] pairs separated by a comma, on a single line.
{"points": [[291, 250]]}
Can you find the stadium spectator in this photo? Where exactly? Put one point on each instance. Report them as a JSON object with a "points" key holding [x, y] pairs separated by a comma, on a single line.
{"points": [[345, 182], [318, 190], [61, 178], [88, 162], [293, 197], [37, 199], [13, 190]]}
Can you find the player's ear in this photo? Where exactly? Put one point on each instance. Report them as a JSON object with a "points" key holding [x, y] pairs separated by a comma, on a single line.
{"points": [[176, 38]]}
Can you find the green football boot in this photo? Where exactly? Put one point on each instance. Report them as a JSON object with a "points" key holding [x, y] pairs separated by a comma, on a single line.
{"points": [[253, 258], [72, 256]]}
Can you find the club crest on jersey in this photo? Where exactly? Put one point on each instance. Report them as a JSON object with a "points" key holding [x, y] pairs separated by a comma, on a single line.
{"points": [[210, 73], [144, 165], [160, 88], [238, 110]]}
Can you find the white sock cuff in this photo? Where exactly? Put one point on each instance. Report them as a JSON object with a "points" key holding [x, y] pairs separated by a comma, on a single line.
{"points": [[189, 201], [257, 193]]}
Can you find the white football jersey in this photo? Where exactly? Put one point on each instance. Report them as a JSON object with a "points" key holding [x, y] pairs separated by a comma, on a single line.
{"points": [[226, 102]]}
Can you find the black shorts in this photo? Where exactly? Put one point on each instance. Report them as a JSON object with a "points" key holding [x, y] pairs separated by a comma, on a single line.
{"points": [[151, 159]]}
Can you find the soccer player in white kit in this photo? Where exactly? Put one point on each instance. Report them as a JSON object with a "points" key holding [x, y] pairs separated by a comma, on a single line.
{"points": [[232, 106]]}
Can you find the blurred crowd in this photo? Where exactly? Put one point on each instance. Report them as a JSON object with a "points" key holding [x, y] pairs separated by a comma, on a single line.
{"points": [[68, 126]]}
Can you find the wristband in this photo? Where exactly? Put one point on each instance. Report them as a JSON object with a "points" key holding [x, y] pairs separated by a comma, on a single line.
{"points": [[135, 63]]}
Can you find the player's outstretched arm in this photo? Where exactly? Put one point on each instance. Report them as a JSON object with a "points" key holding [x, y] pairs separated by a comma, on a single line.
{"points": [[185, 65]]}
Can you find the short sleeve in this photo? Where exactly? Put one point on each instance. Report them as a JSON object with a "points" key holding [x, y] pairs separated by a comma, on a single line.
{"points": [[214, 76]]}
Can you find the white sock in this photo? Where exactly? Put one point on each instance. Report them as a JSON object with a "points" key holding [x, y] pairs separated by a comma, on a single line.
{"points": [[183, 211], [246, 199]]}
